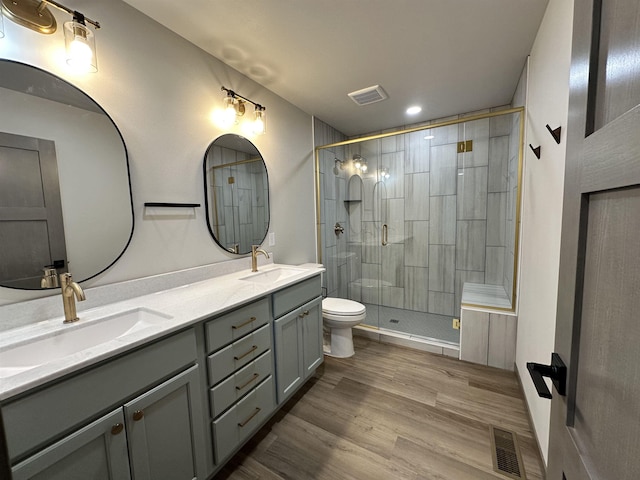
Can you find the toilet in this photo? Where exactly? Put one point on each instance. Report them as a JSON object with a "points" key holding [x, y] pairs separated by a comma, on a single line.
{"points": [[339, 316]]}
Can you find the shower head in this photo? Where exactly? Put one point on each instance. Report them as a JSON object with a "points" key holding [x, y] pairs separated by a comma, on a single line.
{"points": [[337, 166]]}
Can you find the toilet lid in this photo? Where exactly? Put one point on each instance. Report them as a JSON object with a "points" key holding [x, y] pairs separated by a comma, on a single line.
{"points": [[342, 306]]}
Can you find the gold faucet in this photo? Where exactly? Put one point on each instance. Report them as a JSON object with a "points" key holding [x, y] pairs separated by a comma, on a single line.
{"points": [[70, 291], [255, 250]]}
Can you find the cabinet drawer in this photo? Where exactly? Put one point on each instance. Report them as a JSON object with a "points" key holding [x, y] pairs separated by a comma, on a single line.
{"points": [[223, 395], [236, 324], [292, 297], [243, 419], [226, 361]]}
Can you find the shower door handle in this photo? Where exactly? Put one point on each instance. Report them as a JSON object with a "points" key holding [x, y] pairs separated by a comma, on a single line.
{"points": [[385, 235]]}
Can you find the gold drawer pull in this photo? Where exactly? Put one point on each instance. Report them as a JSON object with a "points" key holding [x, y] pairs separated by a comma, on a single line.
{"points": [[236, 327], [252, 379], [253, 349], [256, 411], [116, 429], [305, 313], [138, 414]]}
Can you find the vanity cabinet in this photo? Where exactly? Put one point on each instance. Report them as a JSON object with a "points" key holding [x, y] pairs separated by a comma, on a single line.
{"points": [[298, 335], [240, 375], [154, 432]]}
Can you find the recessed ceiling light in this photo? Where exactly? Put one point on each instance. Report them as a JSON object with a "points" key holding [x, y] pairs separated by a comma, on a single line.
{"points": [[414, 110], [429, 137]]}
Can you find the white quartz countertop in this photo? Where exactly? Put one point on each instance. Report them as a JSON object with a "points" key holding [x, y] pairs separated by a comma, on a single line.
{"points": [[183, 306]]}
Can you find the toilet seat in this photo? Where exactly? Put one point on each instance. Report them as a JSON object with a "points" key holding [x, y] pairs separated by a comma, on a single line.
{"points": [[336, 308]]}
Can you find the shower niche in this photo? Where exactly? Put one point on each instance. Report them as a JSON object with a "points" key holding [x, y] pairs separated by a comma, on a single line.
{"points": [[429, 226]]}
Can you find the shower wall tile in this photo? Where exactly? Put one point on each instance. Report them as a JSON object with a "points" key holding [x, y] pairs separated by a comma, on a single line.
{"points": [[500, 125], [368, 203], [395, 220], [496, 219], [331, 264], [474, 130], [441, 303], [416, 243], [394, 162], [417, 152], [477, 157], [442, 260], [355, 261], [354, 222], [472, 194], [393, 297], [393, 143], [444, 135], [371, 244], [416, 283], [417, 196], [341, 194], [470, 245], [393, 265], [442, 220], [330, 221], [494, 271], [498, 164], [343, 283], [444, 170]]}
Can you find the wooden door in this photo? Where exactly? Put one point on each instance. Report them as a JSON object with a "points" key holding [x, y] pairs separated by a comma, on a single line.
{"points": [[31, 225], [165, 430], [595, 428]]}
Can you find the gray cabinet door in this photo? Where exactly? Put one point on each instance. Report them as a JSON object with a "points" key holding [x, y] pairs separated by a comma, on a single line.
{"points": [[97, 451], [312, 335], [165, 429], [289, 354]]}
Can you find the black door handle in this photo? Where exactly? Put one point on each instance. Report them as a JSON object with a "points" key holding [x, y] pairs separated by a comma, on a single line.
{"points": [[557, 372]]}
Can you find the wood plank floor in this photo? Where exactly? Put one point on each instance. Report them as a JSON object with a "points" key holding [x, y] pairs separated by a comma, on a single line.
{"points": [[390, 413]]}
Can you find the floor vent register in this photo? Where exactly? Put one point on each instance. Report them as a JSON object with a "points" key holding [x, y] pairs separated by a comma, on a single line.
{"points": [[506, 453]]}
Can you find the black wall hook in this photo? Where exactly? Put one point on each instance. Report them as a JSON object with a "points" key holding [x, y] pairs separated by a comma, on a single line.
{"points": [[536, 151], [555, 133]]}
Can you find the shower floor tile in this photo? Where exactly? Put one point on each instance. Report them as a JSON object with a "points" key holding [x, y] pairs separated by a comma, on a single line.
{"points": [[421, 324]]}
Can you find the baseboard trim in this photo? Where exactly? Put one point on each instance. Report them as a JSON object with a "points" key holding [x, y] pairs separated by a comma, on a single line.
{"points": [[543, 466]]}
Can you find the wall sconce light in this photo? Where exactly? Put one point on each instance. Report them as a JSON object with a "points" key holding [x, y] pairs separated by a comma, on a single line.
{"points": [[234, 107], [360, 163], [78, 38], [384, 173]]}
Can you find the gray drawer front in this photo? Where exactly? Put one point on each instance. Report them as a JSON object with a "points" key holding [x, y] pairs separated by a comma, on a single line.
{"points": [[223, 395], [226, 361], [236, 324], [243, 419], [45, 415], [292, 297]]}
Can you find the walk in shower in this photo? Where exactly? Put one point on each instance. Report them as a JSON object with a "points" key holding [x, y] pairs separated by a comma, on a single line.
{"points": [[408, 219]]}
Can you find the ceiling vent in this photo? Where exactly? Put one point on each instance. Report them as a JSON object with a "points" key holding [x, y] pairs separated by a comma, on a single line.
{"points": [[368, 95]]}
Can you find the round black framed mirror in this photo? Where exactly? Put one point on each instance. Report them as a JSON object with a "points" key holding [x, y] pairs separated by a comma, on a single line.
{"points": [[236, 193], [65, 190]]}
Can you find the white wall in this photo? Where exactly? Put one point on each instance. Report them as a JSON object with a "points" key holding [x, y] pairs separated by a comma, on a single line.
{"points": [[547, 103], [160, 90]]}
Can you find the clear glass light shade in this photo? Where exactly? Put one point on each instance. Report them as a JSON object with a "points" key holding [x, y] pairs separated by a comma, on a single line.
{"points": [[81, 47], [228, 111], [260, 122]]}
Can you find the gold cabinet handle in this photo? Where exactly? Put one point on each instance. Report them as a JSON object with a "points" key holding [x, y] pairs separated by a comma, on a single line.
{"points": [[236, 327], [255, 412], [138, 414], [385, 235], [305, 313], [252, 379], [117, 428], [253, 349]]}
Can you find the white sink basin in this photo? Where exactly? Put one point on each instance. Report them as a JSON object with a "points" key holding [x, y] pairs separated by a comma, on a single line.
{"points": [[75, 338], [272, 275]]}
